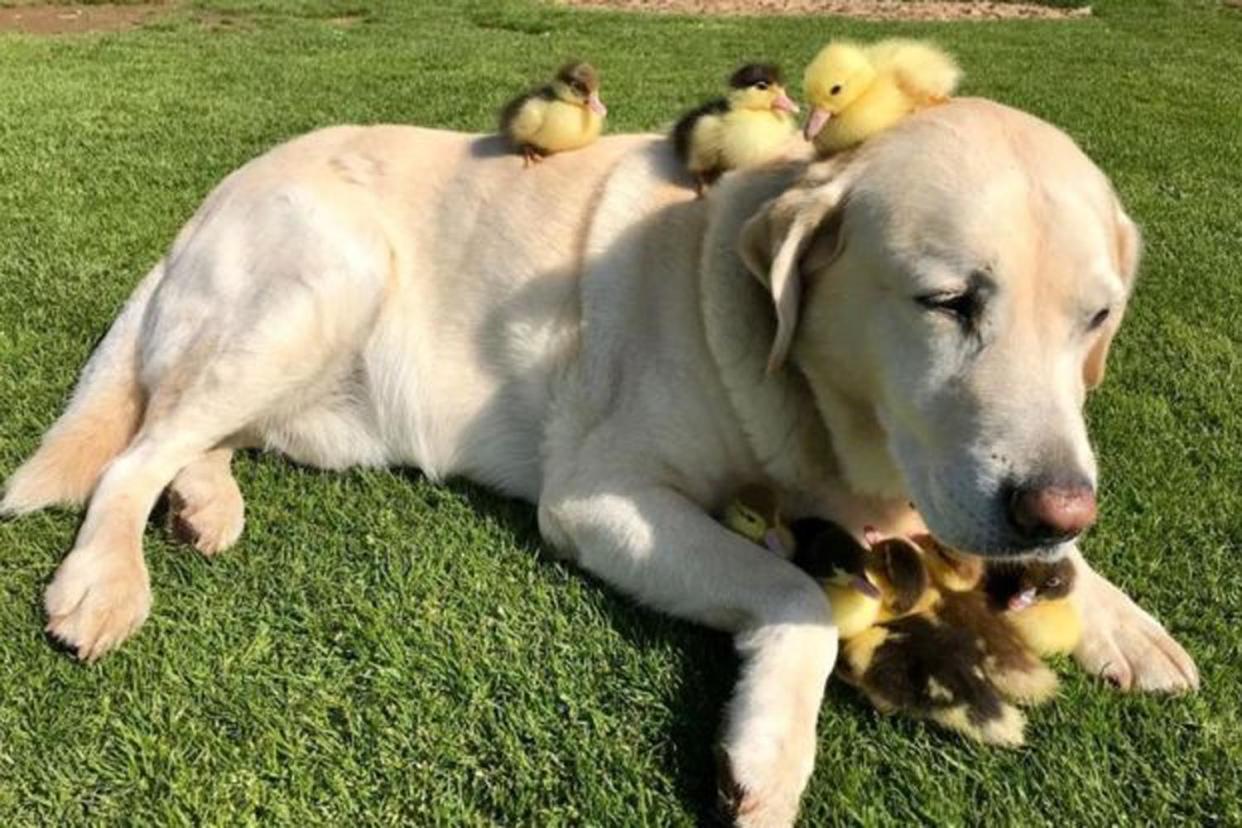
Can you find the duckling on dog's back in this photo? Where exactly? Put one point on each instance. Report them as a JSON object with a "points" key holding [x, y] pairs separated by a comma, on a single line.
{"points": [[566, 114]]}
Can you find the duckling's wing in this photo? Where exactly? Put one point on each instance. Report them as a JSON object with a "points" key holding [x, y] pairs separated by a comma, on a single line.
{"points": [[925, 72], [521, 117], [683, 131]]}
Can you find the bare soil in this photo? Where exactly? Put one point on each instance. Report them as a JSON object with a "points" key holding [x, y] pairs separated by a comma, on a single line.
{"points": [[866, 9], [61, 19]]}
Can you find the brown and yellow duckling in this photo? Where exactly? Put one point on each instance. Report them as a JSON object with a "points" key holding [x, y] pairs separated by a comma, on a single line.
{"points": [[1033, 596], [896, 647], [566, 114], [750, 126]]}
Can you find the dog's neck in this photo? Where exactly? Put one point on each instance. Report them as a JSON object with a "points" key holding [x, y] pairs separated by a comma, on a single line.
{"points": [[811, 445]]}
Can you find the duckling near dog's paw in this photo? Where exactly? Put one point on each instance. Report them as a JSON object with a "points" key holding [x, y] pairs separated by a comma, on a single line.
{"points": [[925, 667], [566, 114], [751, 126], [1033, 596], [895, 646], [755, 514], [1008, 660]]}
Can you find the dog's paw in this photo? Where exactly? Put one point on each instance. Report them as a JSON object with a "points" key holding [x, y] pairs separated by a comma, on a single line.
{"points": [[761, 786], [1128, 648], [96, 600], [210, 520]]}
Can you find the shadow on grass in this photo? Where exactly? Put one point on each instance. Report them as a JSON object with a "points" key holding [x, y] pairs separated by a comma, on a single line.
{"points": [[707, 664]]}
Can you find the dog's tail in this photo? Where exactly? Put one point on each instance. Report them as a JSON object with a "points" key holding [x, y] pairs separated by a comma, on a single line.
{"points": [[99, 422]]}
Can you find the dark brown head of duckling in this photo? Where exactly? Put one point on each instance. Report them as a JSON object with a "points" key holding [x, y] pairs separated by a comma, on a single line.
{"points": [[579, 76], [1016, 584], [753, 74], [824, 550], [900, 563]]}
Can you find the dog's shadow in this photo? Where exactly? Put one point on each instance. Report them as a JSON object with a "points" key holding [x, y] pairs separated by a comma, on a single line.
{"points": [[706, 668]]}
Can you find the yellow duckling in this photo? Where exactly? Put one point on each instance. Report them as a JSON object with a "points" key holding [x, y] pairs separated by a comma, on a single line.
{"points": [[566, 114], [755, 515], [1033, 596], [865, 586], [856, 91], [749, 127]]}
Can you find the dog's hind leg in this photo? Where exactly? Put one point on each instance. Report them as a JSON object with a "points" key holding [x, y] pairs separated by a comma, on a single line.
{"points": [[98, 423], [205, 506], [234, 336]]}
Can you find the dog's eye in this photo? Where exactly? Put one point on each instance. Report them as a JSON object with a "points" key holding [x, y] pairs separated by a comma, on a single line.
{"points": [[835, 90], [1099, 319], [963, 306], [1053, 582]]}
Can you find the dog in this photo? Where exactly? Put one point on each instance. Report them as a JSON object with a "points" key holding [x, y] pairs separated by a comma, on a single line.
{"points": [[901, 336]]}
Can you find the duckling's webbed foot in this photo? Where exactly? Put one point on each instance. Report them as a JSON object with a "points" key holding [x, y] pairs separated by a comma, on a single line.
{"points": [[530, 156]]}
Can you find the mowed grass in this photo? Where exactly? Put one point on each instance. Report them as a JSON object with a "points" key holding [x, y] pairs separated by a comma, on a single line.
{"points": [[380, 650]]}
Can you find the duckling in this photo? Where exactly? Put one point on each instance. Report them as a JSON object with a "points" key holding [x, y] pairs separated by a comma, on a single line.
{"points": [[856, 91], [865, 586], [1008, 661], [748, 127], [566, 114], [832, 556], [950, 571], [1033, 596], [895, 647], [924, 667], [755, 514]]}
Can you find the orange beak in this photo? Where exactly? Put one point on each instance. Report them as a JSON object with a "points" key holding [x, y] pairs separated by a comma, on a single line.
{"points": [[596, 105], [815, 123]]}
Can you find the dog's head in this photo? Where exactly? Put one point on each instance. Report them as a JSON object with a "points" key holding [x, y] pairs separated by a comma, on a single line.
{"points": [[950, 291]]}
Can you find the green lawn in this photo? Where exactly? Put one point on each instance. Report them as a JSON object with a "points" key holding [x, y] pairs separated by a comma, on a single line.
{"points": [[380, 650]]}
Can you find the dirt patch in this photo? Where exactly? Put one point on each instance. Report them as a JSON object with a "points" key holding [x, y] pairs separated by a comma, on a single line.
{"points": [[57, 20], [865, 9]]}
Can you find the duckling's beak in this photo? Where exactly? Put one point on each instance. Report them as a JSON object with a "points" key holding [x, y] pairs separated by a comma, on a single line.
{"points": [[815, 123], [596, 105], [784, 103], [865, 587], [1022, 600], [775, 543]]}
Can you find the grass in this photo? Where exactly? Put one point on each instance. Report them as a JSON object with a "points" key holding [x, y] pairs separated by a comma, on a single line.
{"points": [[380, 650]]}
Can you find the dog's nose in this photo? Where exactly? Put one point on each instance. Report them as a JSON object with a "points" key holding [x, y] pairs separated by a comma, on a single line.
{"points": [[1051, 513]]}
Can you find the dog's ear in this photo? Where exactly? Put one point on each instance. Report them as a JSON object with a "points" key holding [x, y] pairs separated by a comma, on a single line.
{"points": [[793, 233], [1128, 246]]}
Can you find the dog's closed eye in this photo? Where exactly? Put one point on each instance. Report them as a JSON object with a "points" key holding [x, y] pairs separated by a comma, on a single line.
{"points": [[1100, 317], [964, 306]]}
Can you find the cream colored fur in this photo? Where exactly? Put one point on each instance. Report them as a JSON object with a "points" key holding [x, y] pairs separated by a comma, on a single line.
{"points": [[587, 336]]}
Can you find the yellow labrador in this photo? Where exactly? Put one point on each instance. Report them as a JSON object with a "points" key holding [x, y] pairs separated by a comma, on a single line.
{"points": [[917, 322]]}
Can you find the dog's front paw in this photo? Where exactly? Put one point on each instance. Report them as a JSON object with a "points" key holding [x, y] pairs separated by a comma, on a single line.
{"points": [[96, 600], [1127, 647], [767, 752], [760, 785]]}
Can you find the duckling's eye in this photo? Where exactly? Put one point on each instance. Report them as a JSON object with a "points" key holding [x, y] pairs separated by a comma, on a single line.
{"points": [[1099, 319], [835, 90], [761, 85]]}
